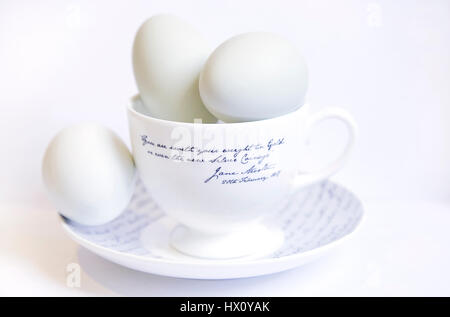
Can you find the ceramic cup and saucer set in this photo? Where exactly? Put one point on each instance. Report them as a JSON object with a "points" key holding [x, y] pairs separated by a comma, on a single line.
{"points": [[195, 216], [225, 200]]}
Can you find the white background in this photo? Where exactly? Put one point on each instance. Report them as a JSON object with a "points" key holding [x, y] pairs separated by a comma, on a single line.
{"points": [[387, 62]]}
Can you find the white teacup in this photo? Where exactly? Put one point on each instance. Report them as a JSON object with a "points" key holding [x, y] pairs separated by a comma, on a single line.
{"points": [[219, 180]]}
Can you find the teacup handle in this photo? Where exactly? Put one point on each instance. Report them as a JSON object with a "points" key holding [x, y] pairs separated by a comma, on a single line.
{"points": [[308, 177]]}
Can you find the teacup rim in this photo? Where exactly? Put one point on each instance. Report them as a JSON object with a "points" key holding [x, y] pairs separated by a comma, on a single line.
{"points": [[131, 109]]}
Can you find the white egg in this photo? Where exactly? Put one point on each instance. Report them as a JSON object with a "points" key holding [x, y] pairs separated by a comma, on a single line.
{"points": [[168, 55], [89, 174], [253, 76]]}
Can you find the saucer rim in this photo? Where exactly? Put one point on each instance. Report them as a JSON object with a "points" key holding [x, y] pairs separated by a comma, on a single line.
{"points": [[219, 262]]}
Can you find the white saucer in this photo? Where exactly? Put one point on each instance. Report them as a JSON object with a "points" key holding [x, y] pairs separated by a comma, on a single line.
{"points": [[313, 220]]}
